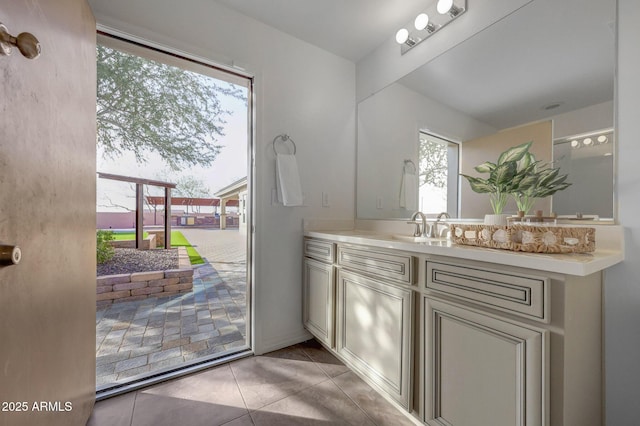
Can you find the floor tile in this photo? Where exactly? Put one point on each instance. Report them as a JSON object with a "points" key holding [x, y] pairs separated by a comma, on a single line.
{"points": [[116, 411], [323, 358], [322, 404], [209, 398], [273, 376], [375, 405], [241, 421]]}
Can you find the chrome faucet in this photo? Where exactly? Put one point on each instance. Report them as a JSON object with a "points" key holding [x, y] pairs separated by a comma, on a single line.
{"points": [[438, 219], [421, 227]]}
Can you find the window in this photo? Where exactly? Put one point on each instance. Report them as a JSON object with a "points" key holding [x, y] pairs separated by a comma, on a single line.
{"points": [[438, 177]]}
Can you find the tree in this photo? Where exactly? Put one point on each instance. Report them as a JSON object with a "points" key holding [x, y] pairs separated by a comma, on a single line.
{"points": [[433, 163], [146, 106], [192, 187]]}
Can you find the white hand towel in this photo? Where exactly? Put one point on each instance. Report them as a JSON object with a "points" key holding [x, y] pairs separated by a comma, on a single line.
{"points": [[288, 180], [408, 191]]}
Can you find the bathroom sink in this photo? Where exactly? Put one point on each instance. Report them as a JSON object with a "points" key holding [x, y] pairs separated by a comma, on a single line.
{"points": [[411, 238]]}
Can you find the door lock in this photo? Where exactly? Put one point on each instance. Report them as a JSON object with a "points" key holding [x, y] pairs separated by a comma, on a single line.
{"points": [[9, 255]]}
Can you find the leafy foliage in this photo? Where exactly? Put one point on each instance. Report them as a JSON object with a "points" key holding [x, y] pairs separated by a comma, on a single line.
{"points": [[192, 187], [146, 106], [517, 173], [433, 163], [104, 249], [540, 182], [504, 176]]}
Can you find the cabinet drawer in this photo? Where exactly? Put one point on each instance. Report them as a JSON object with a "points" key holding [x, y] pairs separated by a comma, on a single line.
{"points": [[319, 250], [522, 295], [378, 263]]}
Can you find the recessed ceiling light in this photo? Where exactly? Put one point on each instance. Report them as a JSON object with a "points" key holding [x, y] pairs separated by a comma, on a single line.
{"points": [[552, 106]]}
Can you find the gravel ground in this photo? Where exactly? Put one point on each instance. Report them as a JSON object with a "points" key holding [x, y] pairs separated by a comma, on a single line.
{"points": [[126, 261]]}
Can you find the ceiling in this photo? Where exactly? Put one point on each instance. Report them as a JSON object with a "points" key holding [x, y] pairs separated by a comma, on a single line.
{"points": [[547, 52], [348, 28]]}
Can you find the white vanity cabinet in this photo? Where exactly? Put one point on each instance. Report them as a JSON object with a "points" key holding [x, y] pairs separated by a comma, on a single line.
{"points": [[374, 317], [319, 290], [373, 336], [482, 370], [462, 336], [507, 346]]}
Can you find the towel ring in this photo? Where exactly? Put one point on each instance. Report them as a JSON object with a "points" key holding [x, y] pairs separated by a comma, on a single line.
{"points": [[284, 138], [411, 164]]}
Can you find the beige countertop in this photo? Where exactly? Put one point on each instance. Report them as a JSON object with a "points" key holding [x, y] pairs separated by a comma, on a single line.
{"points": [[579, 264]]}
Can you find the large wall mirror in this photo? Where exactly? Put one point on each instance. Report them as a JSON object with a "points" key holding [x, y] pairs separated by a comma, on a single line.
{"points": [[548, 67]]}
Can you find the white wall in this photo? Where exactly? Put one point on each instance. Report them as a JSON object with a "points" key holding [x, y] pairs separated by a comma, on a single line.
{"points": [[583, 120], [622, 287], [300, 90], [388, 126]]}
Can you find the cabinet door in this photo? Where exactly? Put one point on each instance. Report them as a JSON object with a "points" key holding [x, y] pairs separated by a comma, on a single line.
{"points": [[318, 300], [373, 332], [482, 370]]}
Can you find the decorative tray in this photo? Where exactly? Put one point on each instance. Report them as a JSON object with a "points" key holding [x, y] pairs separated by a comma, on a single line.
{"points": [[526, 238]]}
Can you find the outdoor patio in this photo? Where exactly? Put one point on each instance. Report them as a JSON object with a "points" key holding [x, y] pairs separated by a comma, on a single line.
{"points": [[138, 337]]}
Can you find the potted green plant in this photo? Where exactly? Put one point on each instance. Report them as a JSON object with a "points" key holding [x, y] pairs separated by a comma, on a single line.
{"points": [[541, 181], [506, 176]]}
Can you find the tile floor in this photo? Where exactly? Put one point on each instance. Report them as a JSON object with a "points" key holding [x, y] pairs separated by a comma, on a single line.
{"points": [[300, 385]]}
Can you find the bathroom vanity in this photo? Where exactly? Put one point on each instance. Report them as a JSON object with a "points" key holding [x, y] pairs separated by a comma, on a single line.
{"points": [[458, 335]]}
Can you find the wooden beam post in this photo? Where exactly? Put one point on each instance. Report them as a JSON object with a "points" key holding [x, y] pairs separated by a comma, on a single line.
{"points": [[167, 217], [139, 214]]}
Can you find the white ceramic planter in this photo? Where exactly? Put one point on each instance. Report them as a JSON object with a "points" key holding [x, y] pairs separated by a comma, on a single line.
{"points": [[496, 219]]}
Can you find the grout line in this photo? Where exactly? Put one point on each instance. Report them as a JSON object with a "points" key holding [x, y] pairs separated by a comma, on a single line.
{"points": [[230, 365], [133, 409]]}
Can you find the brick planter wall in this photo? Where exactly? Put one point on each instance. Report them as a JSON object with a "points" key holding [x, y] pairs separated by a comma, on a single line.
{"points": [[142, 285]]}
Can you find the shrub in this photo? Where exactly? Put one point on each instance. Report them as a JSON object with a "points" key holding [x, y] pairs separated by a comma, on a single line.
{"points": [[104, 249]]}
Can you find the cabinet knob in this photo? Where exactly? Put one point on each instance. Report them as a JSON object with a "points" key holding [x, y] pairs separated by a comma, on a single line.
{"points": [[10, 255]]}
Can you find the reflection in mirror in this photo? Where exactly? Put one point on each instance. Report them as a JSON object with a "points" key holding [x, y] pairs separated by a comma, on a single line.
{"points": [[588, 159], [548, 61], [438, 175]]}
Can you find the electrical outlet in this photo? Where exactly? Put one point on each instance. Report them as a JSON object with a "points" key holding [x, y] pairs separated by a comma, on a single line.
{"points": [[325, 199]]}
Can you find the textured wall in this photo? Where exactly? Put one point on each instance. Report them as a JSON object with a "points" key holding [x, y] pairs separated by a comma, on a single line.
{"points": [[47, 206]]}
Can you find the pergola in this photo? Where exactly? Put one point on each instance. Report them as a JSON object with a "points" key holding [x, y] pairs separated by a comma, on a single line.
{"points": [[140, 182], [187, 201]]}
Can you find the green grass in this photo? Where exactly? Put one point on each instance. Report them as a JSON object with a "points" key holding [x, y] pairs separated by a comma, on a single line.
{"points": [[179, 240], [127, 236]]}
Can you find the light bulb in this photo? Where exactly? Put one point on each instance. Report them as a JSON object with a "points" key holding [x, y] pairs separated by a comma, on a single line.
{"points": [[402, 36], [444, 6], [602, 139], [588, 141], [575, 144], [421, 22]]}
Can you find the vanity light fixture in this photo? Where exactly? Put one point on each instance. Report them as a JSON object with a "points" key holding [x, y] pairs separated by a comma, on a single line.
{"points": [[429, 22], [422, 23], [588, 140], [447, 6]]}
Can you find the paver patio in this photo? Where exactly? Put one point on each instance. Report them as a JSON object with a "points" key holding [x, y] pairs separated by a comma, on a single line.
{"points": [[138, 337]]}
